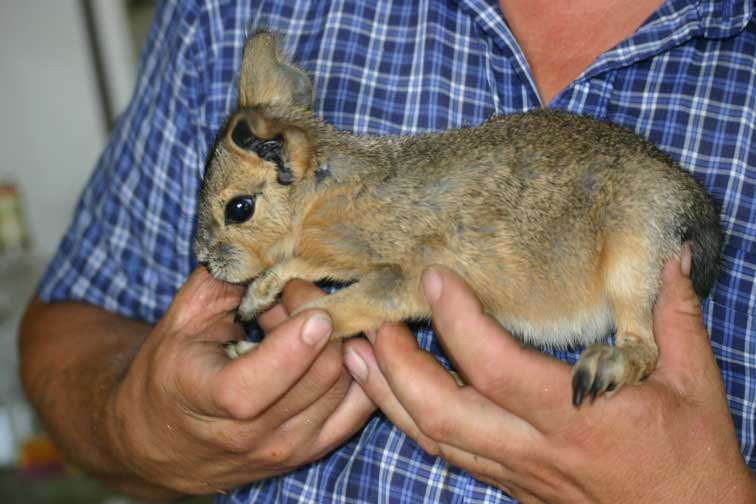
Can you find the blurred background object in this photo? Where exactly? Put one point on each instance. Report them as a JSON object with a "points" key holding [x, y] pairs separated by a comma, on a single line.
{"points": [[67, 69]]}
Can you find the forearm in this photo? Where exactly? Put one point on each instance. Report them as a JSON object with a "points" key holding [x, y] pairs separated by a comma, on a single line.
{"points": [[72, 358]]}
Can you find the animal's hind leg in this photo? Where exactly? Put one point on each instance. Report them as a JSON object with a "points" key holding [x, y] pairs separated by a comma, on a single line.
{"points": [[382, 296], [631, 283]]}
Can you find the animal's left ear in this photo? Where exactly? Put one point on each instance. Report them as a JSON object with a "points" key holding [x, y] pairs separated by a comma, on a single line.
{"points": [[281, 143]]}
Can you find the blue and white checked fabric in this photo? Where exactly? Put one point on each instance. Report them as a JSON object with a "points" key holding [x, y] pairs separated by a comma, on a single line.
{"points": [[686, 80]]}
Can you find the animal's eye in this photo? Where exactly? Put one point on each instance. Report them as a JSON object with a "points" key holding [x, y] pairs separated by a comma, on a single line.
{"points": [[240, 209]]}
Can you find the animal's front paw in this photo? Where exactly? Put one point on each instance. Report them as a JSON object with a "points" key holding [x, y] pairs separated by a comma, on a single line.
{"points": [[235, 348], [601, 368], [250, 307], [260, 295]]}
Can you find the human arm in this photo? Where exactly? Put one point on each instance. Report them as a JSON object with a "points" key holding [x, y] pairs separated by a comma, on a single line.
{"points": [[669, 439], [158, 412]]}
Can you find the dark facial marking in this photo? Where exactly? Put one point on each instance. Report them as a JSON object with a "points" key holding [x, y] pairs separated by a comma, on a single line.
{"points": [[270, 150], [322, 173], [242, 135]]}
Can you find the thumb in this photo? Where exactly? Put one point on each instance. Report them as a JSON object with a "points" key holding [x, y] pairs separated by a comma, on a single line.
{"points": [[678, 321], [203, 300]]}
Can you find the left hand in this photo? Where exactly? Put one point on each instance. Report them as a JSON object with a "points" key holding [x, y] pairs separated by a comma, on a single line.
{"points": [[668, 439]]}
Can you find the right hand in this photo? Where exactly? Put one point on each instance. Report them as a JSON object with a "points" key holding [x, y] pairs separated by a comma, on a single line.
{"points": [[187, 418]]}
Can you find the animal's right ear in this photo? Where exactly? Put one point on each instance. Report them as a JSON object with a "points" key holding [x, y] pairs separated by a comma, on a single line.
{"points": [[268, 80]]}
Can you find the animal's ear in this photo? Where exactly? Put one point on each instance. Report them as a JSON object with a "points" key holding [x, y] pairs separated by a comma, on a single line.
{"points": [[281, 143], [268, 80]]}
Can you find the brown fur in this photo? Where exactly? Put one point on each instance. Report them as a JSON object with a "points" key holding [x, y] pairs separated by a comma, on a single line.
{"points": [[561, 224]]}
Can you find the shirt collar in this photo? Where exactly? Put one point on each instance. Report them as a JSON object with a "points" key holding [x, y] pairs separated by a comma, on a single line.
{"points": [[724, 18], [674, 23], [710, 18]]}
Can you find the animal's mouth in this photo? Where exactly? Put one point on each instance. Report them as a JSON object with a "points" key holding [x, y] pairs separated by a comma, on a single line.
{"points": [[221, 274], [232, 272]]}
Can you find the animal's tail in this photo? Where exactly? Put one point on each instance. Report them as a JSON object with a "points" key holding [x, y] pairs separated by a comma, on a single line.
{"points": [[704, 232]]}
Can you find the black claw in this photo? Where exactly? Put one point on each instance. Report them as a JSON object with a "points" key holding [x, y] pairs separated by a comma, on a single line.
{"points": [[597, 388], [611, 387], [581, 381]]}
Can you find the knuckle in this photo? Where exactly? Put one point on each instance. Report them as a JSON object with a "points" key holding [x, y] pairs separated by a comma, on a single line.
{"points": [[280, 454], [489, 379], [434, 426], [236, 443], [429, 446], [233, 402], [229, 437], [490, 385]]}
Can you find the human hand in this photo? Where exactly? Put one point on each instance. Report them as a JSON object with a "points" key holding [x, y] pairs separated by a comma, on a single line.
{"points": [[187, 418], [668, 439]]}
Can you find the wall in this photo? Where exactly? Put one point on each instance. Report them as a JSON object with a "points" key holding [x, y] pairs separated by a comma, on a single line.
{"points": [[51, 131]]}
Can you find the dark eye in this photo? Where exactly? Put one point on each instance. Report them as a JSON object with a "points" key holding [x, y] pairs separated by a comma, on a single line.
{"points": [[240, 209]]}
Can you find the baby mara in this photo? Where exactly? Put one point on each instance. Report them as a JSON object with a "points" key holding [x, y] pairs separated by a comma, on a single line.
{"points": [[560, 224]]}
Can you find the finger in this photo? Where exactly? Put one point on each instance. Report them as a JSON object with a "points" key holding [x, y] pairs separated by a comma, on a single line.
{"points": [[298, 292], [306, 423], [321, 380], [302, 409], [272, 318], [296, 442], [295, 294], [678, 322], [442, 410], [253, 382], [525, 381], [201, 301], [495, 474], [350, 416], [359, 359], [331, 420]]}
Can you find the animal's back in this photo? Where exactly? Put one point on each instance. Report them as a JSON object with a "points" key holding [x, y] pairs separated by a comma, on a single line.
{"points": [[536, 210]]}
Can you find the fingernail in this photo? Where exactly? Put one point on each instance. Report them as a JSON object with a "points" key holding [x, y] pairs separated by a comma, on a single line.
{"points": [[686, 257], [356, 366], [316, 329], [432, 285]]}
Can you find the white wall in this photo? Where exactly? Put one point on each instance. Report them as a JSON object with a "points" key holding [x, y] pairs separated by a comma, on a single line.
{"points": [[117, 47], [51, 130]]}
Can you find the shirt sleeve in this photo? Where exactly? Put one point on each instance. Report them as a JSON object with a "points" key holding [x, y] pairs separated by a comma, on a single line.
{"points": [[129, 246]]}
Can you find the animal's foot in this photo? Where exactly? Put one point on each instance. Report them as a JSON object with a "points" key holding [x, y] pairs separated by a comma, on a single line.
{"points": [[250, 307], [235, 348], [601, 368], [260, 295]]}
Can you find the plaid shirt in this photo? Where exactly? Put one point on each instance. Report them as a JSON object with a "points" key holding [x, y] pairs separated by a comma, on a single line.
{"points": [[686, 80]]}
